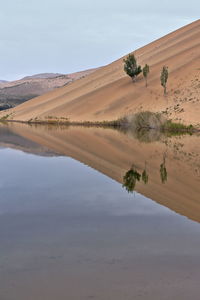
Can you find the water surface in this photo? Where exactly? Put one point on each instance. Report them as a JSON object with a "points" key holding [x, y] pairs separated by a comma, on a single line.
{"points": [[69, 230]]}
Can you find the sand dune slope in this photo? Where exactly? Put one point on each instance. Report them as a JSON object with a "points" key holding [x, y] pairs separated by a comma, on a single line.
{"points": [[108, 93]]}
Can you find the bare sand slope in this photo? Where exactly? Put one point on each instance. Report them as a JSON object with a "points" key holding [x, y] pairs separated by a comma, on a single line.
{"points": [[113, 154], [108, 93]]}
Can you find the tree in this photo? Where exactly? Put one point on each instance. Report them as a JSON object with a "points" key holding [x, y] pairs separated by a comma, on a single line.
{"points": [[145, 176], [145, 71], [163, 170], [130, 179], [163, 78], [130, 66]]}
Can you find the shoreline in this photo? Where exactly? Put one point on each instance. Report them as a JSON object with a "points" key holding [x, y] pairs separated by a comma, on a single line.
{"points": [[115, 124]]}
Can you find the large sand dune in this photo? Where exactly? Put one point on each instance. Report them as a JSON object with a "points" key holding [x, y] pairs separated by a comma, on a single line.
{"points": [[109, 93]]}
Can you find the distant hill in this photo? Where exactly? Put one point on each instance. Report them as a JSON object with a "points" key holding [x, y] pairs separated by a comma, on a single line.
{"points": [[43, 76], [9, 139], [13, 93], [3, 81]]}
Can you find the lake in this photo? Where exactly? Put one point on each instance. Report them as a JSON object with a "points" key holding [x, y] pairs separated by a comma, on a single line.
{"points": [[92, 213]]}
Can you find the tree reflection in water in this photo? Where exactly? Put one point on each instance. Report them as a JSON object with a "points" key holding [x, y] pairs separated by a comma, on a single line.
{"points": [[145, 176], [132, 176], [163, 170]]}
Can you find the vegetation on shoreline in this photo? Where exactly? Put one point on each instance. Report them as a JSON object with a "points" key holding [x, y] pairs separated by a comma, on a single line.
{"points": [[150, 120], [145, 120], [4, 118], [177, 127]]}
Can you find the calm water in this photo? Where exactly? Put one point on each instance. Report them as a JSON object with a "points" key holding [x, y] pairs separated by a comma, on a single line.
{"points": [[69, 230]]}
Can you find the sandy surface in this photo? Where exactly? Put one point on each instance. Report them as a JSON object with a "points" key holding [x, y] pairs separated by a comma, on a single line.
{"points": [[113, 154], [109, 93]]}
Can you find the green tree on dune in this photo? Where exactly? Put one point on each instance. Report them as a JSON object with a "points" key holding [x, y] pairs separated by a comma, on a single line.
{"points": [[163, 78], [131, 67], [146, 71]]}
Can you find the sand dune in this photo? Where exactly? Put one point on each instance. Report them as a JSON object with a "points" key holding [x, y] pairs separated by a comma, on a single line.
{"points": [[109, 93], [113, 154]]}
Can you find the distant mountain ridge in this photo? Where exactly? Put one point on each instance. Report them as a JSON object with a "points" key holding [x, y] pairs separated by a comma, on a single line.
{"points": [[13, 93], [43, 76]]}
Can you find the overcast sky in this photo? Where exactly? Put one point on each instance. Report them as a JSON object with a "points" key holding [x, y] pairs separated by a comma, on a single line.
{"points": [[65, 36]]}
